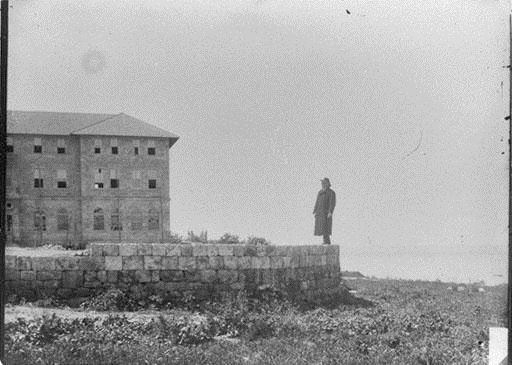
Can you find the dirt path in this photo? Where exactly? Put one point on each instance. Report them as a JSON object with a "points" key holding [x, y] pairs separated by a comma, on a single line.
{"points": [[12, 313]]}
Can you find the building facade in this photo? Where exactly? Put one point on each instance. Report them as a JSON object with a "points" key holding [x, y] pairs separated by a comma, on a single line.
{"points": [[77, 178]]}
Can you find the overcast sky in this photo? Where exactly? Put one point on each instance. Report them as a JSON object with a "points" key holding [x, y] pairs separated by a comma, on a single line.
{"points": [[401, 104]]}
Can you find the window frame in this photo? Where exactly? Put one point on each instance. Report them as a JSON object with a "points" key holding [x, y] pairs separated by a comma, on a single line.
{"points": [[96, 215]]}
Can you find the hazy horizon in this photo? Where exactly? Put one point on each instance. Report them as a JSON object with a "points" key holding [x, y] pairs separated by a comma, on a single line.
{"points": [[401, 105]]}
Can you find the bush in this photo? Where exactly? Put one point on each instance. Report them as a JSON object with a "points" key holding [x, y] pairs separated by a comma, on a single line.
{"points": [[171, 237], [229, 239], [202, 238], [251, 240]]}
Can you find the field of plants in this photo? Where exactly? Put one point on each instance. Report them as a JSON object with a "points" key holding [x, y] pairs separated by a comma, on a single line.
{"points": [[402, 322]]}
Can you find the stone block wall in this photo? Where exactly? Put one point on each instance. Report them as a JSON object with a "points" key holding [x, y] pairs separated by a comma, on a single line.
{"points": [[203, 270]]}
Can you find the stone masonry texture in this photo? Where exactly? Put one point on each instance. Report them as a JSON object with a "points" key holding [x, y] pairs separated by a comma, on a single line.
{"points": [[174, 270]]}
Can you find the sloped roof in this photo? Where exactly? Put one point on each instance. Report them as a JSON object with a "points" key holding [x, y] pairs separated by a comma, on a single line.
{"points": [[51, 123]]}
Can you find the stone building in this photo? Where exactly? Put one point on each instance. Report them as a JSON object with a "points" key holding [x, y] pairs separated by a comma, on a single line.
{"points": [[73, 178]]}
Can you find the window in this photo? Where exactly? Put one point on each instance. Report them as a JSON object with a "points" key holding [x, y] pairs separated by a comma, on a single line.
{"points": [[10, 145], [114, 181], [152, 179], [98, 179], [115, 221], [151, 148], [114, 146], [9, 223], [153, 220], [98, 220], [97, 146], [38, 147], [38, 180], [61, 179], [137, 181], [136, 145], [61, 146], [39, 221], [62, 220], [136, 221]]}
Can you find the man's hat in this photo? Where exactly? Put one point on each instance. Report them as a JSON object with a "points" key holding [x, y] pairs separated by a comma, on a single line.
{"points": [[325, 179]]}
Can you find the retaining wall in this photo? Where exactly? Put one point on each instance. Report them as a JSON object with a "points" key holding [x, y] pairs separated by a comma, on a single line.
{"points": [[171, 270]]}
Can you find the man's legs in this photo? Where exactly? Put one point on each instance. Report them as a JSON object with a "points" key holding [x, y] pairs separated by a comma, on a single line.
{"points": [[327, 239]]}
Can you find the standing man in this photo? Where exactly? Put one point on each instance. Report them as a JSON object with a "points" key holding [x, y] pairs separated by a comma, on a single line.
{"points": [[324, 207]]}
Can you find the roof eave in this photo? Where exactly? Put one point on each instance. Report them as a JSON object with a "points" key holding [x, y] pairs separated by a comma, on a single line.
{"points": [[173, 140]]}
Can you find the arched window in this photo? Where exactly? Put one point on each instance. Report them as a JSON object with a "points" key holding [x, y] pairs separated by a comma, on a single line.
{"points": [[115, 221], [99, 220], [136, 221], [39, 220], [153, 220], [62, 220]]}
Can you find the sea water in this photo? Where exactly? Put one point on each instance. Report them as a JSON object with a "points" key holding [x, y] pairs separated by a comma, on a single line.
{"points": [[470, 266]]}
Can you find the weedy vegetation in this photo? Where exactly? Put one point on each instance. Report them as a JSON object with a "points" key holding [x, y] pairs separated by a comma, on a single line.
{"points": [[410, 322]]}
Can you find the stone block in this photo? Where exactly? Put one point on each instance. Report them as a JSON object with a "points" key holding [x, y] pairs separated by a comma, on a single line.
{"points": [[112, 276], [225, 250], [169, 263], [12, 274], [102, 276], [91, 263], [203, 262], [126, 276], [250, 250], [143, 276], [208, 276], [92, 284], [113, 263], [43, 263], [192, 276], [155, 276], [90, 276], [227, 276], [270, 250], [51, 284], [294, 261], [171, 275], [67, 263], [133, 263], [128, 249], [96, 249], [22, 263], [231, 262], [72, 279], [152, 262], [199, 250], [110, 249], [48, 275], [144, 249], [260, 262], [27, 275], [323, 260], [10, 262], [186, 250], [276, 262], [216, 262], [282, 251], [287, 261], [173, 250], [187, 263], [244, 262], [159, 249]]}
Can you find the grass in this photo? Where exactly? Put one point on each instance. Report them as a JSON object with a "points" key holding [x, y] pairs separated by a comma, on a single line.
{"points": [[411, 322]]}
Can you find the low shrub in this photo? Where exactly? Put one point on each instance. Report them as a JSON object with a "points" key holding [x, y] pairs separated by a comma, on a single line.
{"points": [[252, 240]]}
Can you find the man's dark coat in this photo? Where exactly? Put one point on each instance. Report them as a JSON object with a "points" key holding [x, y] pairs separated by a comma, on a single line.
{"points": [[325, 203]]}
